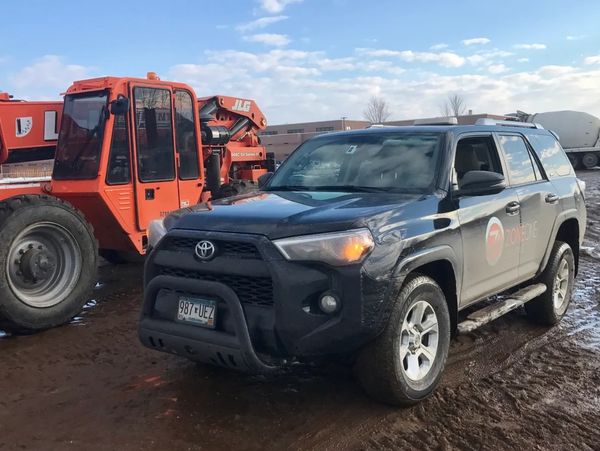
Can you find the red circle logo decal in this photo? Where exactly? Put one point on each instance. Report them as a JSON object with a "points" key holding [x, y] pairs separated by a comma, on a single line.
{"points": [[494, 241]]}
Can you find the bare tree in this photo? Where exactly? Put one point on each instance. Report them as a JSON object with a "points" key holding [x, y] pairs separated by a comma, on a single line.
{"points": [[454, 105], [377, 110]]}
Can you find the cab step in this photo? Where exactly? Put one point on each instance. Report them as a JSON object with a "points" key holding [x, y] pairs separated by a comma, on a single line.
{"points": [[497, 309]]}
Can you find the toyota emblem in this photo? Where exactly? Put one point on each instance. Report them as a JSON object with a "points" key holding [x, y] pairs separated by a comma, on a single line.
{"points": [[205, 250]]}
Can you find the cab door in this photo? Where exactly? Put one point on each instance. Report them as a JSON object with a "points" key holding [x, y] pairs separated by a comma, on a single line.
{"points": [[490, 264], [189, 164], [156, 190]]}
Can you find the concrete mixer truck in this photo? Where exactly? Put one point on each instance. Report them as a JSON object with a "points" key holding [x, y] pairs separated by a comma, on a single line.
{"points": [[578, 133]]}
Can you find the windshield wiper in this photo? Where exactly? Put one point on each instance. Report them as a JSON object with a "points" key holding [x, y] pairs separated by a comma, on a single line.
{"points": [[332, 188], [289, 188], [352, 188]]}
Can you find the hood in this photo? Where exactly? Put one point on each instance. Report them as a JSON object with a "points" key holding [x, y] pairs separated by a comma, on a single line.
{"points": [[283, 214]]}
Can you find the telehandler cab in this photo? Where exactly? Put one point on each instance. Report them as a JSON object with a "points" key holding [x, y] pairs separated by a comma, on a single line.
{"points": [[129, 151]]}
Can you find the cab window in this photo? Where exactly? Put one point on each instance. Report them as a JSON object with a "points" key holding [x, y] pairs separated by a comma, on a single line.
{"points": [[81, 135], [119, 162], [519, 161], [154, 129], [476, 153], [185, 134]]}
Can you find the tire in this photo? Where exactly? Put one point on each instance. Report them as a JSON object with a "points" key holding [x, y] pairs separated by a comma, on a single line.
{"points": [[386, 367], [47, 262], [548, 308], [575, 160], [589, 160]]}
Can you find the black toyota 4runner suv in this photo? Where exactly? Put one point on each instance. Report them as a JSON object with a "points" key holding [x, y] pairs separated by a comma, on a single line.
{"points": [[370, 245]]}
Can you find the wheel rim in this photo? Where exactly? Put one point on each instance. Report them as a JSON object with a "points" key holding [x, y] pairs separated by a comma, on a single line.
{"points": [[590, 160], [44, 264], [419, 341], [561, 285]]}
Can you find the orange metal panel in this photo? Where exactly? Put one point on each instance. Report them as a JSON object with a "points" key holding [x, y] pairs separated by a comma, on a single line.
{"points": [[28, 125]]}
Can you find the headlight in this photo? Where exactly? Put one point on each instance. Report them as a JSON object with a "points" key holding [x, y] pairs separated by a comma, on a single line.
{"points": [[336, 249], [156, 230]]}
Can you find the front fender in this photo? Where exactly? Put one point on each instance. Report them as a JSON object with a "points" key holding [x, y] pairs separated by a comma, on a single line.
{"points": [[413, 262]]}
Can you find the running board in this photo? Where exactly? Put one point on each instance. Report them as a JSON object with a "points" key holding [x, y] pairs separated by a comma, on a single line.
{"points": [[497, 309]]}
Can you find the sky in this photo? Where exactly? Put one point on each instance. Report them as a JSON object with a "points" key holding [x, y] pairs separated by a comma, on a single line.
{"points": [[308, 60]]}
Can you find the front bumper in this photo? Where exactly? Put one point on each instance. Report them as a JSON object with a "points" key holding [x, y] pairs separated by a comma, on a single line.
{"points": [[197, 343], [266, 306]]}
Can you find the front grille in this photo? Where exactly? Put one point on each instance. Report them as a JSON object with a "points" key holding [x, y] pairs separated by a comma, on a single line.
{"points": [[250, 290], [234, 249]]}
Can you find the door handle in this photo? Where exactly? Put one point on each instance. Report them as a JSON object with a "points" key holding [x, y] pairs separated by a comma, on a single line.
{"points": [[551, 198], [513, 207], [149, 194]]}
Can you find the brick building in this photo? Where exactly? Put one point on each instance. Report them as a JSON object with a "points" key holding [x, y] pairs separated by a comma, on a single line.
{"points": [[283, 139]]}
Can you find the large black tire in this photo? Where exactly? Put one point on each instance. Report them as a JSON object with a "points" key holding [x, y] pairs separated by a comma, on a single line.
{"points": [[590, 160], [543, 309], [382, 369], [48, 262]]}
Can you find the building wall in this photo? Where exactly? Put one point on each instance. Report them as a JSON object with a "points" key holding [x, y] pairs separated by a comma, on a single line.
{"points": [[283, 139], [467, 119]]}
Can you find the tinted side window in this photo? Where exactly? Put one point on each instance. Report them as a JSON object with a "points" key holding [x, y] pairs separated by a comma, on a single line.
{"points": [[520, 166], [555, 161], [185, 135], [156, 159], [119, 161], [476, 153]]}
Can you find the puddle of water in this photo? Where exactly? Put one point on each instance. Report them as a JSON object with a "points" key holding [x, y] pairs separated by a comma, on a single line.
{"points": [[4, 334], [584, 313], [591, 251], [90, 304], [80, 319]]}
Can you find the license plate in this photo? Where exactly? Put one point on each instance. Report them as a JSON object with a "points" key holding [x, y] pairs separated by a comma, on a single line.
{"points": [[198, 311]]}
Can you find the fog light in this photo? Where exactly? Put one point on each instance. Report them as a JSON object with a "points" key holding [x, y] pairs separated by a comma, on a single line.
{"points": [[329, 303]]}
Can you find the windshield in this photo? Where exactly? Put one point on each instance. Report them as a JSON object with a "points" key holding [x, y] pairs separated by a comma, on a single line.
{"points": [[394, 162], [80, 138]]}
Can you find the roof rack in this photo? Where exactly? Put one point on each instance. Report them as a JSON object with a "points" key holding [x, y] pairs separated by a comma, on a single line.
{"points": [[489, 121], [437, 121]]}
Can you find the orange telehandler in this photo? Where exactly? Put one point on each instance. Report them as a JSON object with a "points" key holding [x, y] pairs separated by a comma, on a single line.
{"points": [[129, 151]]}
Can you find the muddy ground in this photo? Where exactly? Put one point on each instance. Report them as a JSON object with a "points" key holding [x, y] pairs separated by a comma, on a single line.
{"points": [[90, 385]]}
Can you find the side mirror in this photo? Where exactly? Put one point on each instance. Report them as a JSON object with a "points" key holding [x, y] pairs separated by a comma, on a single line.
{"points": [[481, 183], [264, 179], [119, 106]]}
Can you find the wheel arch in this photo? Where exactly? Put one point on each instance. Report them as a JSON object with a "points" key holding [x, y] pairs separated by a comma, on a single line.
{"points": [[439, 263], [566, 229], [568, 232]]}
